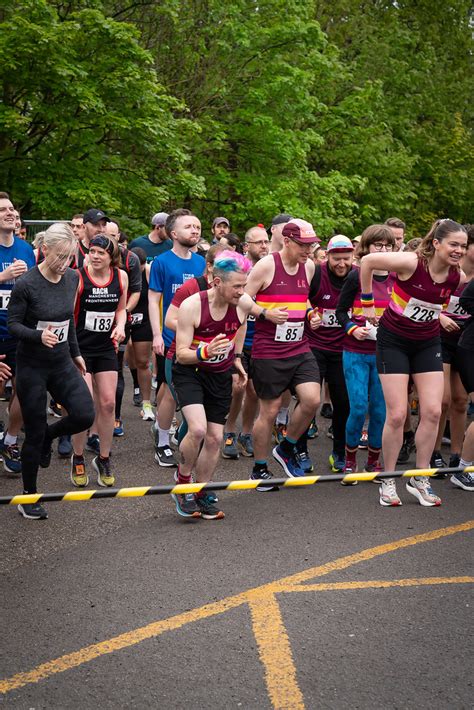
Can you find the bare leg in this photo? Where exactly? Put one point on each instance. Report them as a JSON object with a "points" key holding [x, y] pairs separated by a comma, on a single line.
{"points": [[395, 388], [430, 386], [209, 455]]}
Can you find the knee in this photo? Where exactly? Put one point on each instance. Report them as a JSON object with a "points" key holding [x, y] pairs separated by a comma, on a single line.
{"points": [[459, 404], [213, 442], [107, 406], [358, 410], [396, 418], [196, 431], [142, 363], [431, 414]]}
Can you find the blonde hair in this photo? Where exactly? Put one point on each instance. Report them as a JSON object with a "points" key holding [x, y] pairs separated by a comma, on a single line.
{"points": [[56, 233]]}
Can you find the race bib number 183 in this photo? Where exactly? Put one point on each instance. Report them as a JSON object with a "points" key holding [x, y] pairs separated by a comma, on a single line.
{"points": [[99, 322]]}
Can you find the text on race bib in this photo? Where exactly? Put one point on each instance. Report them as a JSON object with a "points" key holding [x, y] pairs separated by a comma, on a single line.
{"points": [[61, 330], [289, 332], [219, 357], [4, 299], [421, 311], [137, 318], [328, 318], [99, 322], [454, 307]]}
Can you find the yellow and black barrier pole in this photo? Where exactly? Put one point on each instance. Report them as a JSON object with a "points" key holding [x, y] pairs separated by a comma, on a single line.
{"points": [[138, 492]]}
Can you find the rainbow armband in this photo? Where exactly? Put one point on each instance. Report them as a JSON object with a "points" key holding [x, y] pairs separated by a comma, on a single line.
{"points": [[351, 327], [367, 300], [309, 313], [202, 353]]}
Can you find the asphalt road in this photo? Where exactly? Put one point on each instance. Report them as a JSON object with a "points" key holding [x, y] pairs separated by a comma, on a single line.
{"points": [[316, 597]]}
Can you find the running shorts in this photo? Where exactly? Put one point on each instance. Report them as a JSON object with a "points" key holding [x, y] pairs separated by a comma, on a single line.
{"points": [[464, 365], [103, 362], [211, 389], [397, 355], [272, 377]]}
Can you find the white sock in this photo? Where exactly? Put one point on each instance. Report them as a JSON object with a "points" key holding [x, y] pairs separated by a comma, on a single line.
{"points": [[464, 464], [9, 440], [282, 416], [163, 437]]}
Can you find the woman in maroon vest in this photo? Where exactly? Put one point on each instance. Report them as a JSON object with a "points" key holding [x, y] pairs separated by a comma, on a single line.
{"points": [[408, 343]]}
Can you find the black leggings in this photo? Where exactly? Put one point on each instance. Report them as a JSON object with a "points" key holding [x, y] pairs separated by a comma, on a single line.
{"points": [[66, 385], [120, 385], [332, 371]]}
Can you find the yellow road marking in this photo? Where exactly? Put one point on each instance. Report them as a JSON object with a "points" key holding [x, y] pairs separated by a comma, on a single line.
{"points": [[130, 638], [275, 653], [378, 584]]}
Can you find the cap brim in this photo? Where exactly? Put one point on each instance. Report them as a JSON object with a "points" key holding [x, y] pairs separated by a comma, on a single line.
{"points": [[306, 241]]}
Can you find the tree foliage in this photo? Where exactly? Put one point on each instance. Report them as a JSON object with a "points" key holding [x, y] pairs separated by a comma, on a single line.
{"points": [[343, 112]]}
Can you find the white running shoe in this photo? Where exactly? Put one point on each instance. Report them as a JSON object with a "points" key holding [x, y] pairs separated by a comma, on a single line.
{"points": [[388, 492], [174, 426], [421, 489], [147, 412]]}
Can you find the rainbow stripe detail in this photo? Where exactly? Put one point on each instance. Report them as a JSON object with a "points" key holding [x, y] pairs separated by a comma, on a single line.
{"points": [[296, 304]]}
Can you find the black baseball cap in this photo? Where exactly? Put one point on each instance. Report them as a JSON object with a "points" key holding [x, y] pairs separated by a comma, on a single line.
{"points": [[93, 216]]}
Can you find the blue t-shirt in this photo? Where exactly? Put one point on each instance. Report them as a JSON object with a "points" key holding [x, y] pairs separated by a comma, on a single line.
{"points": [[150, 248], [18, 250], [168, 272]]}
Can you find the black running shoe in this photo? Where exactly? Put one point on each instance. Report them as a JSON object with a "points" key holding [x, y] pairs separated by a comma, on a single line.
{"points": [[64, 447], [186, 505], [437, 461], [326, 411], [209, 511], [33, 511], [264, 475], [407, 449], [454, 461]]}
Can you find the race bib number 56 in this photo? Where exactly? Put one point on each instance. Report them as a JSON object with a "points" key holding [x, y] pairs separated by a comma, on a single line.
{"points": [[60, 329], [289, 332], [421, 311], [99, 322]]}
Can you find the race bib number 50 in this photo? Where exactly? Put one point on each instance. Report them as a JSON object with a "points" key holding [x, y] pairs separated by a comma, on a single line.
{"points": [[289, 332], [99, 322], [220, 357], [60, 329], [421, 311]]}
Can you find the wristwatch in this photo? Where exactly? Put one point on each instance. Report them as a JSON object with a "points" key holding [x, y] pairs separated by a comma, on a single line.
{"points": [[263, 315], [238, 355]]}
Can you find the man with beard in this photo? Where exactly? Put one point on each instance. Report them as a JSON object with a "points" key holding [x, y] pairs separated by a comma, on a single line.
{"points": [[168, 272], [326, 343]]}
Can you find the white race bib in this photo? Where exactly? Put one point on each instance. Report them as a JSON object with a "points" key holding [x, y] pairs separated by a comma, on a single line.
{"points": [[137, 318], [289, 332], [454, 307], [60, 329], [220, 357], [4, 300], [421, 311], [99, 322], [328, 319], [372, 335]]}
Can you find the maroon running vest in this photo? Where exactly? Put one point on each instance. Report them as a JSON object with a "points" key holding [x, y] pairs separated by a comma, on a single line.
{"points": [[329, 336], [285, 291], [207, 330], [382, 291]]}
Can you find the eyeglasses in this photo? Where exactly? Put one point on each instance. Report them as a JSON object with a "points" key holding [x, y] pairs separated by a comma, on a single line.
{"points": [[262, 241], [378, 246]]}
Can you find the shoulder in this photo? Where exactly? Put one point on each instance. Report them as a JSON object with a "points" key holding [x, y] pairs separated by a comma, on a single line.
{"points": [[190, 306]]}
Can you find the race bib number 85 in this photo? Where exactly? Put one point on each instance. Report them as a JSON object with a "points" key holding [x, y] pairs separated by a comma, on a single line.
{"points": [[421, 311], [99, 322], [289, 332]]}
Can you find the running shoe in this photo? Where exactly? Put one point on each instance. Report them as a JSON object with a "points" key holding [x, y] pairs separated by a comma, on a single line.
{"points": [[349, 469], [11, 456], [437, 461], [55, 409], [186, 505], [454, 461], [421, 489], [330, 433], [290, 464], [313, 431], [147, 413], [388, 492], [373, 468], [137, 397], [407, 449], [414, 406], [118, 428], [326, 411], [64, 446], [209, 511], [229, 450], [33, 511], [105, 478], [265, 475], [165, 457], [463, 480], [279, 432], [305, 462], [364, 440], [245, 444], [93, 444], [78, 474], [337, 464], [174, 426]]}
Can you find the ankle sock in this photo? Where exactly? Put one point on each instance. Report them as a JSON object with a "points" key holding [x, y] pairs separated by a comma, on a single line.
{"points": [[163, 437], [373, 456]]}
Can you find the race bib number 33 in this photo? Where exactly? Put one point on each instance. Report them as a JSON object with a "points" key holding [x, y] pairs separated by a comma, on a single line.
{"points": [[289, 332], [99, 322]]}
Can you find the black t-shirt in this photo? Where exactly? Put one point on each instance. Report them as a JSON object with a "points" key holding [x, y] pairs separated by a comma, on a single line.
{"points": [[467, 304]]}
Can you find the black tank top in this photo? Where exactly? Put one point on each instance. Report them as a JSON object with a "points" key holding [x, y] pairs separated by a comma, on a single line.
{"points": [[140, 312], [95, 312]]}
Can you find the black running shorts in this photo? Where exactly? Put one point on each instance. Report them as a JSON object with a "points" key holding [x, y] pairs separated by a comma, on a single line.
{"points": [[102, 362], [272, 377], [397, 355], [211, 389]]}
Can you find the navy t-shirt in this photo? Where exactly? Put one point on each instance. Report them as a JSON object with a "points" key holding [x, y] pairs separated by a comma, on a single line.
{"points": [[150, 248], [18, 250], [168, 272]]}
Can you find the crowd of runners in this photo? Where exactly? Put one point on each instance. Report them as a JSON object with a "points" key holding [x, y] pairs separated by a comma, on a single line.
{"points": [[219, 331]]}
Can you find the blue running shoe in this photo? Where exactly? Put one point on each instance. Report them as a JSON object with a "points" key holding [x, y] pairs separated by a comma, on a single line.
{"points": [[118, 428], [337, 465], [11, 456], [186, 505], [313, 430], [305, 462], [290, 464]]}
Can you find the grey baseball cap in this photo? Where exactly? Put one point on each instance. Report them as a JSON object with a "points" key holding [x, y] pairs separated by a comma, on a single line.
{"points": [[159, 219]]}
